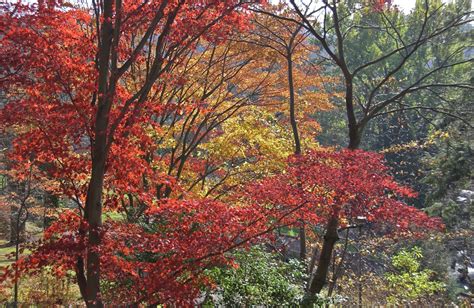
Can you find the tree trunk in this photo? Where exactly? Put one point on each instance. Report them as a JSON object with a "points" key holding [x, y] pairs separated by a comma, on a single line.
{"points": [[17, 252], [330, 239], [355, 138], [17, 256], [338, 272], [93, 216], [354, 132], [93, 208], [291, 88], [17, 230], [296, 138]]}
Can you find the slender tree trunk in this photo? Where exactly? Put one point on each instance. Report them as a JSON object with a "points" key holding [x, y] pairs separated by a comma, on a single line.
{"points": [[312, 263], [330, 239], [331, 236], [359, 269], [93, 209], [17, 256], [81, 278], [18, 223], [93, 216], [296, 138], [339, 269], [291, 88], [16, 229], [302, 236], [354, 131]]}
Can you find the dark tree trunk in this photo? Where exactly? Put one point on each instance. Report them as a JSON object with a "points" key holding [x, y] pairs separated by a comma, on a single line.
{"points": [[354, 140], [330, 239], [81, 278], [294, 125], [93, 208], [339, 270], [354, 131], [17, 230], [296, 138], [93, 216], [17, 253]]}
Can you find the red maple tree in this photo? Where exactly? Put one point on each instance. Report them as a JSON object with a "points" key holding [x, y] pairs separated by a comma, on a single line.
{"points": [[338, 188], [79, 84]]}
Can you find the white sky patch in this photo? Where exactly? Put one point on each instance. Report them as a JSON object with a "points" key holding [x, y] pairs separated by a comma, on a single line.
{"points": [[405, 5]]}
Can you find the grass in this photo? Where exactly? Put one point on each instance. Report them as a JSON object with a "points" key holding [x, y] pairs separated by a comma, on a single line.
{"points": [[33, 232], [4, 251]]}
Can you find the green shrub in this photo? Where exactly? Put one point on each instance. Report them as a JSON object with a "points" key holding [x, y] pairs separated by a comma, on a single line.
{"points": [[259, 278]]}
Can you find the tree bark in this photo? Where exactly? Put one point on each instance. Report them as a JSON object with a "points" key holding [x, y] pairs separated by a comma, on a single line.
{"points": [[80, 276], [93, 216], [17, 230], [354, 131], [338, 272], [93, 208], [291, 88], [330, 238], [296, 138]]}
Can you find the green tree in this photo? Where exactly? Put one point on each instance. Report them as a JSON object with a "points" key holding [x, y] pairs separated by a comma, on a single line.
{"points": [[409, 282]]}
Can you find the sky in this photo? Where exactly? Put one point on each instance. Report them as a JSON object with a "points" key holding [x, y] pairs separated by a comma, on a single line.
{"points": [[406, 5]]}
